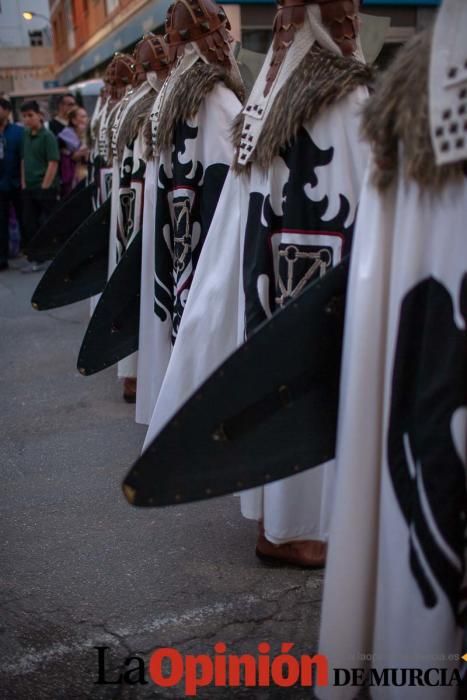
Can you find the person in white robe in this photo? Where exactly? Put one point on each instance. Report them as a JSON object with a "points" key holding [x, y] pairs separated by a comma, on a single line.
{"points": [[151, 65], [191, 154], [285, 216], [125, 75], [101, 124], [101, 148], [395, 591]]}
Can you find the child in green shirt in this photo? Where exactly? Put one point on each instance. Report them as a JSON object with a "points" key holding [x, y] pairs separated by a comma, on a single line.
{"points": [[39, 174]]}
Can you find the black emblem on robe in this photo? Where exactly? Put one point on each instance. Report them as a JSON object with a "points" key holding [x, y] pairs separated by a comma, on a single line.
{"points": [[95, 176], [429, 387], [283, 254], [186, 201], [127, 214]]}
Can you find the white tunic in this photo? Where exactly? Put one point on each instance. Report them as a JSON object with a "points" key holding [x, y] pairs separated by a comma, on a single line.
{"points": [[388, 572], [213, 323], [211, 146]]}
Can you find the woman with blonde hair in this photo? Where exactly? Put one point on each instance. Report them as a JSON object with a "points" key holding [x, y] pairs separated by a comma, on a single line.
{"points": [[74, 151]]}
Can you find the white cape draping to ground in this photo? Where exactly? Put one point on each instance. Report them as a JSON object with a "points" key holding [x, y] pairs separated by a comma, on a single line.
{"points": [[373, 602], [213, 324], [211, 146]]}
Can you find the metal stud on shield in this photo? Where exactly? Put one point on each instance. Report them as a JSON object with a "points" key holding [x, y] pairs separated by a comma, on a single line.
{"points": [[247, 424]]}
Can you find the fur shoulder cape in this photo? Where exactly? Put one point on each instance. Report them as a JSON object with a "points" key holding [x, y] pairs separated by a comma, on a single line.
{"points": [[110, 123], [321, 79], [398, 114], [185, 99], [134, 120]]}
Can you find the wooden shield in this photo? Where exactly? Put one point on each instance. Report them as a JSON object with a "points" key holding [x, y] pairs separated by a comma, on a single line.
{"points": [[268, 412], [113, 331], [63, 222], [79, 270]]}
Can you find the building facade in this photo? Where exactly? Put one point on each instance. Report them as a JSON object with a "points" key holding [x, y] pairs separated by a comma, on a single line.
{"points": [[88, 32], [26, 53]]}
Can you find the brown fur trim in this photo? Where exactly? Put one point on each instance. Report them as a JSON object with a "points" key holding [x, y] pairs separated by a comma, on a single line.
{"points": [[97, 123], [398, 114], [111, 122], [133, 121], [95, 129], [321, 79], [147, 135], [185, 99]]}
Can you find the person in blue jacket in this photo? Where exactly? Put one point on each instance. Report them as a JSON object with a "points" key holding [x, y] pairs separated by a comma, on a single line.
{"points": [[11, 136]]}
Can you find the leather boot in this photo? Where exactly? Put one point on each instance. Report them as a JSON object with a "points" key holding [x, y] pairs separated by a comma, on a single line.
{"points": [[310, 554], [129, 389]]}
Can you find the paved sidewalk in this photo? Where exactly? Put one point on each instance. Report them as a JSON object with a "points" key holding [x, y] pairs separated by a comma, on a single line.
{"points": [[81, 568]]}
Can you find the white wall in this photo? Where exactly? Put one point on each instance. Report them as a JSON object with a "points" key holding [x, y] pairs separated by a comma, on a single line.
{"points": [[13, 28]]}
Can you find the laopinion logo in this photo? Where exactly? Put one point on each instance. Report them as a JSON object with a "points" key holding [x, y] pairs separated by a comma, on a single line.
{"points": [[168, 668]]}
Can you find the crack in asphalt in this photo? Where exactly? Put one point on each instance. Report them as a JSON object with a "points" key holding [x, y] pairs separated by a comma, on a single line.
{"points": [[33, 658]]}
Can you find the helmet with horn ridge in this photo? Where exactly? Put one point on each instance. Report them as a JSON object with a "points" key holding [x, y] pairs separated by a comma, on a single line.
{"points": [[202, 22], [151, 56], [340, 18], [120, 74]]}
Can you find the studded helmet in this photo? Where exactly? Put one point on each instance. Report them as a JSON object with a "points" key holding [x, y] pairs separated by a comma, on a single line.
{"points": [[119, 74], [109, 72], [151, 56], [340, 17], [202, 22], [124, 69]]}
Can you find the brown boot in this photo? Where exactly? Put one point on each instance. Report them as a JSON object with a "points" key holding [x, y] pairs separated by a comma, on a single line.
{"points": [[310, 554], [129, 389]]}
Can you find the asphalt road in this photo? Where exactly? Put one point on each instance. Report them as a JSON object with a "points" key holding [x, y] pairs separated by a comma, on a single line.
{"points": [[80, 568]]}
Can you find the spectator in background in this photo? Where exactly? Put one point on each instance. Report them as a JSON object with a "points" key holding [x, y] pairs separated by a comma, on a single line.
{"points": [[74, 152], [39, 175], [60, 121], [11, 137]]}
